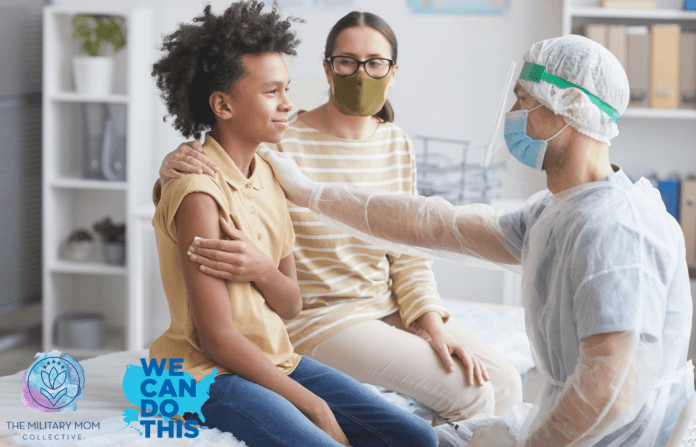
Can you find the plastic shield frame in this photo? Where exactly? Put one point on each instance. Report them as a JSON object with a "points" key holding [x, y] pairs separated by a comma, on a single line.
{"points": [[497, 153]]}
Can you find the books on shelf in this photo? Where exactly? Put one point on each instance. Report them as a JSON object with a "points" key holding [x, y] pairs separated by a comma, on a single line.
{"points": [[660, 62], [631, 4]]}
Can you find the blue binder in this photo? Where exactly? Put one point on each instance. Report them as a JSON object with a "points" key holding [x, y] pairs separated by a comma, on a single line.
{"points": [[669, 189], [690, 5]]}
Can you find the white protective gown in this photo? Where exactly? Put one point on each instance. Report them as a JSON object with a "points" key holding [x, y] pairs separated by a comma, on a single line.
{"points": [[602, 258]]}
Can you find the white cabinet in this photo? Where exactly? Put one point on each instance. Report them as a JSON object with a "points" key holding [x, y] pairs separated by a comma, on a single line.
{"points": [[70, 201]]}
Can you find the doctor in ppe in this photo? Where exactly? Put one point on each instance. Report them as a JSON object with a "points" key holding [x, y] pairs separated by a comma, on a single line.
{"points": [[604, 277]]}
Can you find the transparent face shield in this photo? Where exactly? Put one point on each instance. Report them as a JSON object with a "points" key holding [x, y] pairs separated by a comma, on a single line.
{"points": [[497, 153], [509, 139]]}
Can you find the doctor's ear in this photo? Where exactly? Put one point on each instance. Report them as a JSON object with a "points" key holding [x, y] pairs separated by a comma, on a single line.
{"points": [[221, 104]]}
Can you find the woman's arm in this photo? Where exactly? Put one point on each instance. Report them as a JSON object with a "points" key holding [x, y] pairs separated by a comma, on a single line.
{"points": [[188, 158], [212, 316]]}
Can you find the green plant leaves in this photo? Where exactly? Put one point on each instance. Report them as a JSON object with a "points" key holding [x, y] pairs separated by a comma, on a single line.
{"points": [[95, 30]]}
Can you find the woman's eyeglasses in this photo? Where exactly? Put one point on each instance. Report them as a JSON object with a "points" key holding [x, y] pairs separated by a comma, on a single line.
{"points": [[346, 66]]}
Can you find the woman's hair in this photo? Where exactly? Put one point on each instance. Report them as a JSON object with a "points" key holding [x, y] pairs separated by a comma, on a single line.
{"points": [[206, 56], [357, 18]]}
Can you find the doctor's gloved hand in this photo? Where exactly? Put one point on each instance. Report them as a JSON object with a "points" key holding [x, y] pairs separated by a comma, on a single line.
{"points": [[297, 187], [494, 435]]}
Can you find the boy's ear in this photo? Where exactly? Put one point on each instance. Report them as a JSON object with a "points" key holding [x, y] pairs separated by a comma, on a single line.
{"points": [[221, 104]]}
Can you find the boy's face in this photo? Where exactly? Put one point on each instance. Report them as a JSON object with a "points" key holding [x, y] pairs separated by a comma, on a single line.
{"points": [[260, 99]]}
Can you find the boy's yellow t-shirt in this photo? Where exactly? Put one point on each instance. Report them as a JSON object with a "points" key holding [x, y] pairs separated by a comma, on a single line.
{"points": [[256, 206]]}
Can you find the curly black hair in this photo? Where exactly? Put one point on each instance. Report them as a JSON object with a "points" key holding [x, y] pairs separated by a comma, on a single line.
{"points": [[205, 57]]}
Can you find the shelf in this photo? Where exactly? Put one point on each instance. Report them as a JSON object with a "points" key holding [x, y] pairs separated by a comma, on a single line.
{"points": [[635, 112], [648, 14], [80, 97], [77, 183], [87, 268]]}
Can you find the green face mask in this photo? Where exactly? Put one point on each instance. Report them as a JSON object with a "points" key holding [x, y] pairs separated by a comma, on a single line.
{"points": [[359, 94]]}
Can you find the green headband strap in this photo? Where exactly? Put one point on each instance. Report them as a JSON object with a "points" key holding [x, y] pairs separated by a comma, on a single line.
{"points": [[537, 73]]}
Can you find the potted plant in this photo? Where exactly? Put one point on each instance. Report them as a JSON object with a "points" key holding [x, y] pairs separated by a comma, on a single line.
{"points": [[94, 72], [114, 238], [79, 245]]}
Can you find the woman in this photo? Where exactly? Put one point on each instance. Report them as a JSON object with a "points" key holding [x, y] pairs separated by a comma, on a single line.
{"points": [[370, 313]]}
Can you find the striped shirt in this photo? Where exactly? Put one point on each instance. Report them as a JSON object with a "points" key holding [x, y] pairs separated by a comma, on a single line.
{"points": [[345, 281]]}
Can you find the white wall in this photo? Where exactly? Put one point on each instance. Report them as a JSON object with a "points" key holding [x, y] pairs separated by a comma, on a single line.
{"points": [[451, 67]]}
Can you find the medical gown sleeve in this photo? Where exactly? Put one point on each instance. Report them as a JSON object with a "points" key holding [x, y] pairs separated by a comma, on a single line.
{"points": [[415, 225], [607, 391]]}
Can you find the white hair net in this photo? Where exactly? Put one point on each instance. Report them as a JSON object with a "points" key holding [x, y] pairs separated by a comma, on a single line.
{"points": [[589, 65]]}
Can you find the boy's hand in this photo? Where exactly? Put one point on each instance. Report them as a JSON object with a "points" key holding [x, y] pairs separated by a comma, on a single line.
{"points": [[323, 417], [237, 259]]}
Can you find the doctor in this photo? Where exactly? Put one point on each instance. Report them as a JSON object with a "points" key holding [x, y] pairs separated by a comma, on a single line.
{"points": [[605, 281]]}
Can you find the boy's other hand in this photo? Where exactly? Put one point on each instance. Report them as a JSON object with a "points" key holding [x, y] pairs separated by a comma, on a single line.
{"points": [[188, 158], [237, 259]]}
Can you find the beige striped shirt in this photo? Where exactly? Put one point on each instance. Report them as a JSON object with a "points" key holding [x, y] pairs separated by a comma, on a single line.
{"points": [[345, 281]]}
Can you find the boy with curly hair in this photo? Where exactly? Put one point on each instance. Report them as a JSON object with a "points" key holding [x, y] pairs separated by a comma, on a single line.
{"points": [[225, 74]]}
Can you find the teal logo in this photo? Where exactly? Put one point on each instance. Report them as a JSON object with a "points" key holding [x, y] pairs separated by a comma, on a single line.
{"points": [[168, 392], [53, 383]]}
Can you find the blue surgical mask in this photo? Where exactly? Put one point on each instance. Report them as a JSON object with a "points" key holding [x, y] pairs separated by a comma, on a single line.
{"points": [[528, 151]]}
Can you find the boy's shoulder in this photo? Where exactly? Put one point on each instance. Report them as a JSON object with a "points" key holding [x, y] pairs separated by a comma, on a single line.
{"points": [[175, 190]]}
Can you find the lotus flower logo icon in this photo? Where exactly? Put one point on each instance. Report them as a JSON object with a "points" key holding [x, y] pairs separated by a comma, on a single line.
{"points": [[53, 383]]}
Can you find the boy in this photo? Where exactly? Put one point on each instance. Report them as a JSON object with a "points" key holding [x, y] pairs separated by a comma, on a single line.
{"points": [[227, 75]]}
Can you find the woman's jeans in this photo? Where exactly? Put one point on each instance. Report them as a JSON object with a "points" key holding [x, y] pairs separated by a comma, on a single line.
{"points": [[262, 418]]}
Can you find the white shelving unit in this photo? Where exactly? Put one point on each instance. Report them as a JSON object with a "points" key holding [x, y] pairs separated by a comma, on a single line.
{"points": [[71, 202], [578, 13]]}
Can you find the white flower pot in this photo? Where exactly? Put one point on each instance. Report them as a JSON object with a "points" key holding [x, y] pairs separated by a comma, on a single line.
{"points": [[79, 251], [94, 75]]}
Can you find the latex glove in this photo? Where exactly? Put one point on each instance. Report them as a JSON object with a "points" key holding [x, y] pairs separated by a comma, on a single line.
{"points": [[494, 435], [297, 186]]}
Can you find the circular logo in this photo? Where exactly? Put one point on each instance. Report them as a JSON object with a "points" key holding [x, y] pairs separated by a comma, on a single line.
{"points": [[53, 383]]}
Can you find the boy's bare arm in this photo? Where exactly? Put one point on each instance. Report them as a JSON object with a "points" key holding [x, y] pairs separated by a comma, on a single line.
{"points": [[212, 315], [238, 259]]}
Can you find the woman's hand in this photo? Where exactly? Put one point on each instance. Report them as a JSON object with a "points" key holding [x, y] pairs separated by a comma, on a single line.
{"points": [[237, 259], [296, 185], [445, 345], [188, 158]]}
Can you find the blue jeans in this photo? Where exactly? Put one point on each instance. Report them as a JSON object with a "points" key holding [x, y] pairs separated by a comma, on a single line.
{"points": [[262, 418]]}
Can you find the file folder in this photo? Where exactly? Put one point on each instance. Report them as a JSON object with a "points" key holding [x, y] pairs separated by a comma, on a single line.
{"points": [[687, 71], [597, 32], [664, 75], [638, 72], [687, 218], [669, 190], [617, 43]]}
